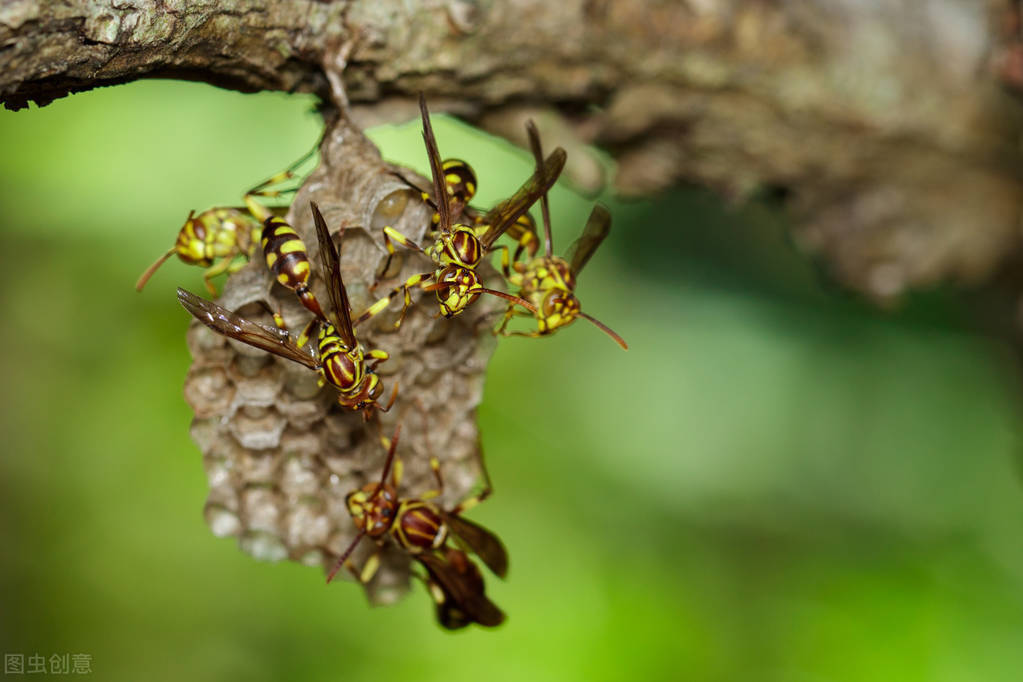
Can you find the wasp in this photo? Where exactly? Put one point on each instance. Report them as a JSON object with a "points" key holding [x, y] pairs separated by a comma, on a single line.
{"points": [[460, 182], [423, 529], [225, 233], [548, 281], [338, 358], [460, 248]]}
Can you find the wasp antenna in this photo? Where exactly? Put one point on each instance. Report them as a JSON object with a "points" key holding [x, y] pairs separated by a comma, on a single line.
{"points": [[390, 460], [509, 297], [152, 268], [607, 330], [390, 403], [344, 556]]}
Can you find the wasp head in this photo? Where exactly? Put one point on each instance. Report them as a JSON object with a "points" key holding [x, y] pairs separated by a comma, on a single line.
{"points": [[372, 508], [559, 307]]}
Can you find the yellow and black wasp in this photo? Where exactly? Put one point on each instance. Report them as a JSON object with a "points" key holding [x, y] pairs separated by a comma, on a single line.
{"points": [[548, 281], [460, 182], [460, 248], [229, 234], [423, 530], [338, 357], [217, 233]]}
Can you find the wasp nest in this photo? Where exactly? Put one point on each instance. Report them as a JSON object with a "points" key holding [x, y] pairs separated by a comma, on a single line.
{"points": [[279, 452]]}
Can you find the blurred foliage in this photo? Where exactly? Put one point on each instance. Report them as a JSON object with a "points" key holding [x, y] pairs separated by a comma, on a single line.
{"points": [[774, 483]]}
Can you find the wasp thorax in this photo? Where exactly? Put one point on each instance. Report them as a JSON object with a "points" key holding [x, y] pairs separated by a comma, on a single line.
{"points": [[373, 508], [561, 271], [463, 248], [343, 368], [421, 527]]}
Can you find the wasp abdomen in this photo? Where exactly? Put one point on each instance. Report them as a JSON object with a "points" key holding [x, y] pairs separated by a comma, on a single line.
{"points": [[460, 180], [288, 260]]}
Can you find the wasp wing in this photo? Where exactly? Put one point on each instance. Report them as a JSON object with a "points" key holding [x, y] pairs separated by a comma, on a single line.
{"points": [[598, 225], [223, 321], [537, 149], [440, 194], [481, 541], [504, 214], [335, 285], [461, 585]]}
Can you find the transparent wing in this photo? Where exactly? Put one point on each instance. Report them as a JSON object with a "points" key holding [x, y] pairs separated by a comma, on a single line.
{"points": [[335, 285], [440, 194], [482, 542], [597, 228], [537, 149], [223, 321], [504, 214]]}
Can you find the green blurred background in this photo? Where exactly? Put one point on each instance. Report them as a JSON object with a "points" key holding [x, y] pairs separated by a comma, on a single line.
{"points": [[776, 482]]}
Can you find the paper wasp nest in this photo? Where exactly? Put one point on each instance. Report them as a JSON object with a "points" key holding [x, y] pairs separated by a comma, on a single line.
{"points": [[279, 453]]}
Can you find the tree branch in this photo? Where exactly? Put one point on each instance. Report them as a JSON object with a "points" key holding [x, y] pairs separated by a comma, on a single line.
{"points": [[885, 122]]}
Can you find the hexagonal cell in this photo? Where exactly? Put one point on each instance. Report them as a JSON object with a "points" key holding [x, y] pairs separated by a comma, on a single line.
{"points": [[258, 428], [262, 509], [301, 477], [257, 381], [208, 391], [306, 527], [263, 546], [258, 466], [222, 522], [304, 413]]}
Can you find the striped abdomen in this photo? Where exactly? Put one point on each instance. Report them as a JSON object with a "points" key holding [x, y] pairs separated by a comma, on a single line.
{"points": [[419, 527], [459, 180], [287, 259]]}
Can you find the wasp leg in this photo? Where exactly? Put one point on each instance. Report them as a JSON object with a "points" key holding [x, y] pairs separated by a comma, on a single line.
{"points": [[222, 266], [391, 234], [381, 305], [469, 502], [263, 189], [509, 313], [505, 264], [376, 357], [369, 569], [523, 231]]}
